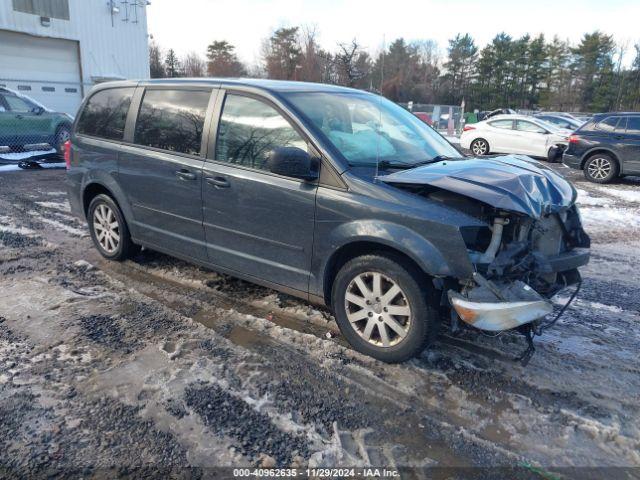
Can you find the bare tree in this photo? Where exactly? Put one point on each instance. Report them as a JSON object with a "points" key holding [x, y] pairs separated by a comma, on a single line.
{"points": [[311, 62], [156, 65], [346, 63], [193, 65]]}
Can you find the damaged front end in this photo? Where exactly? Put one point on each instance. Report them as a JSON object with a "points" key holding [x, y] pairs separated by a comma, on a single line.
{"points": [[530, 247]]}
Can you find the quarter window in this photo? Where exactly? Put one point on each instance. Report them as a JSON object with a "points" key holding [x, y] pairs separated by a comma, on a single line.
{"points": [[172, 120], [250, 129], [633, 127], [105, 114], [506, 124]]}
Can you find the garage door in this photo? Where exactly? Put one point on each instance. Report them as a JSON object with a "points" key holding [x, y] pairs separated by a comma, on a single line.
{"points": [[45, 69]]}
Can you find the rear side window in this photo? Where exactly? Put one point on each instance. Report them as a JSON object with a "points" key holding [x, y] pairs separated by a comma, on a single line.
{"points": [[633, 127], [609, 124], [507, 124], [172, 120], [105, 114], [250, 129]]}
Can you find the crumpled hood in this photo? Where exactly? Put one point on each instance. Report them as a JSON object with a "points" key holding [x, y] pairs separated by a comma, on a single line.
{"points": [[510, 182]]}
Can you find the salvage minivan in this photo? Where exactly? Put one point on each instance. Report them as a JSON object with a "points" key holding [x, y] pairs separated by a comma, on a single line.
{"points": [[330, 194]]}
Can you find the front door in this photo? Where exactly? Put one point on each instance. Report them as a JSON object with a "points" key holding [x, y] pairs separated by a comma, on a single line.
{"points": [[530, 139], [257, 223], [501, 136], [161, 169], [26, 125]]}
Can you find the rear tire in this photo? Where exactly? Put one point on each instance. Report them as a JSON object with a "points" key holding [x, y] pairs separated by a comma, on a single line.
{"points": [[109, 230], [601, 168], [384, 308], [480, 147]]}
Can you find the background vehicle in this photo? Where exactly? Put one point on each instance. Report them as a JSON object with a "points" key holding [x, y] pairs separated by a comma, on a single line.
{"points": [[331, 194], [606, 147], [566, 122], [26, 125], [425, 117], [513, 134], [492, 113]]}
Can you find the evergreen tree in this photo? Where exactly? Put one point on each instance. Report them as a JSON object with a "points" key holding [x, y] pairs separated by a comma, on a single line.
{"points": [[459, 66], [593, 63], [222, 60], [172, 64], [283, 55]]}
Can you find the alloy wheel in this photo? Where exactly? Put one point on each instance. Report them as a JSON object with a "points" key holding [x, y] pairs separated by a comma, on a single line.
{"points": [[106, 228], [377, 309], [479, 147], [599, 168]]}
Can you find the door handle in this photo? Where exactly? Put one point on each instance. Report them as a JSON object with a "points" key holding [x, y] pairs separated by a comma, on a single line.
{"points": [[218, 182], [19, 117], [185, 175]]}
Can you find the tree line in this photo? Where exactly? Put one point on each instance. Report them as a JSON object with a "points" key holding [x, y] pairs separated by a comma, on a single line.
{"points": [[524, 73]]}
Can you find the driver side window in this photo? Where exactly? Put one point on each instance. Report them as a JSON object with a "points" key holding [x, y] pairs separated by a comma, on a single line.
{"points": [[250, 130]]}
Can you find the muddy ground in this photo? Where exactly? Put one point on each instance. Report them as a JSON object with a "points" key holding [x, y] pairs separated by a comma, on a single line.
{"points": [[109, 367]]}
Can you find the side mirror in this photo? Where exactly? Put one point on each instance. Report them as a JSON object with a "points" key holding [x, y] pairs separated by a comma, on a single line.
{"points": [[38, 110], [293, 162]]}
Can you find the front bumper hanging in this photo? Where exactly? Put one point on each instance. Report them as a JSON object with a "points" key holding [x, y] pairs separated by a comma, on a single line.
{"points": [[494, 307]]}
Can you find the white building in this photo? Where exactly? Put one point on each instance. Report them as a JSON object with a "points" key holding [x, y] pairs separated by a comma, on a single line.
{"points": [[55, 50]]}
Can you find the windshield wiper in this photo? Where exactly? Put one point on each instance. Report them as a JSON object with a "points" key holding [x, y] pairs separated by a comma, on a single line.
{"points": [[386, 164]]}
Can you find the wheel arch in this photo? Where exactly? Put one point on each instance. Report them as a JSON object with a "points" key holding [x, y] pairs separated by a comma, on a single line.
{"points": [[595, 151], [416, 250], [96, 186]]}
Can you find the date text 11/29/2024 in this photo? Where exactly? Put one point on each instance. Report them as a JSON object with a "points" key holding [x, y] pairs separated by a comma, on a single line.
{"points": [[316, 472]]}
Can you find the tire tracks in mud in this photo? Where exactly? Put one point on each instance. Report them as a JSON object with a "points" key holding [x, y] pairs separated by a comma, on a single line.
{"points": [[332, 383]]}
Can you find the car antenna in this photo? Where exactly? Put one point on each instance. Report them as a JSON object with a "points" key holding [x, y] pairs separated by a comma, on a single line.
{"points": [[378, 141]]}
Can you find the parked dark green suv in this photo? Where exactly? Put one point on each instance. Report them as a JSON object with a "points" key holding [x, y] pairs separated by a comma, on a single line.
{"points": [[27, 126]]}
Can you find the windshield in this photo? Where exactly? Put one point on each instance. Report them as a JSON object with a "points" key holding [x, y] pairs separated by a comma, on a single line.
{"points": [[368, 130]]}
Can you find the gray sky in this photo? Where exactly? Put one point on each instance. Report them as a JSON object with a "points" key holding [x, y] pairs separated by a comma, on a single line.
{"points": [[190, 25]]}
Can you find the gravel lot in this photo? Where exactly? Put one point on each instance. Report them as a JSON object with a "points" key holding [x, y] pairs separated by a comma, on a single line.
{"points": [[154, 363]]}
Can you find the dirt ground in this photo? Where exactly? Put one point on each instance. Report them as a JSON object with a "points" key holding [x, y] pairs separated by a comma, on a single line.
{"points": [[109, 367]]}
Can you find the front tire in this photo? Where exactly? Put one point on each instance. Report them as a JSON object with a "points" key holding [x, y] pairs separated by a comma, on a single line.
{"points": [[383, 307], [63, 134], [109, 230], [601, 168], [480, 147]]}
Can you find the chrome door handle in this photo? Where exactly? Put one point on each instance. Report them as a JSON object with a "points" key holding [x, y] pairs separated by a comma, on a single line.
{"points": [[185, 175], [218, 182]]}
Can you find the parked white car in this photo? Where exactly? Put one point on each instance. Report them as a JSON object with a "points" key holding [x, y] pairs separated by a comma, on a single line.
{"points": [[514, 134]]}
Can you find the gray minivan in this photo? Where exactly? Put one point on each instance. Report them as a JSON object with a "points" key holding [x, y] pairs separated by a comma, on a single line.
{"points": [[330, 194]]}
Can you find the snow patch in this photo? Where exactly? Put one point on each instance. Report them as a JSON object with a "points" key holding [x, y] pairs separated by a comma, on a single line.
{"points": [[610, 219], [585, 198], [60, 206], [627, 195], [60, 226]]}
